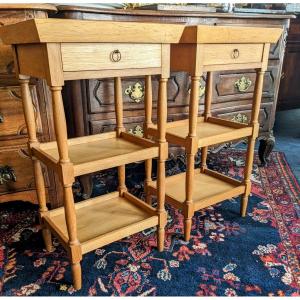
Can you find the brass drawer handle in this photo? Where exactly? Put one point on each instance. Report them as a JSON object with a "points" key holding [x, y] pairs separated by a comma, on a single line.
{"points": [[235, 53], [243, 84], [115, 56], [137, 130], [7, 173], [135, 92], [1, 118]]}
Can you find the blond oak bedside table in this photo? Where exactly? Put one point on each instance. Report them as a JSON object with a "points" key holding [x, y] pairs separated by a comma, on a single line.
{"points": [[207, 49], [59, 50]]}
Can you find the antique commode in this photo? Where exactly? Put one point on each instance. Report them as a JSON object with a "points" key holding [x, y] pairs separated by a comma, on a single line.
{"points": [[208, 49], [59, 50]]}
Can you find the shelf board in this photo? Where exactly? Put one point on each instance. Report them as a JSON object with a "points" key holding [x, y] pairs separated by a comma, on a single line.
{"points": [[210, 132], [209, 188], [103, 220], [97, 152]]}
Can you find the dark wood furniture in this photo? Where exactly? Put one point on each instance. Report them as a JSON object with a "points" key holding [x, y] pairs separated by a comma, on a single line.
{"points": [[89, 104], [289, 92], [16, 172]]}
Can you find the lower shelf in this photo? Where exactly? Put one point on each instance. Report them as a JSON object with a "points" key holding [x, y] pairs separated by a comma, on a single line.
{"points": [[103, 220], [209, 188]]}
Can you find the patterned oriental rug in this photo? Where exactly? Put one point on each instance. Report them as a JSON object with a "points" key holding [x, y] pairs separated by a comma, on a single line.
{"points": [[228, 255]]}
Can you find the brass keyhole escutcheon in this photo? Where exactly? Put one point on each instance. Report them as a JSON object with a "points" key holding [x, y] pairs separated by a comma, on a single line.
{"points": [[115, 56], [235, 53]]}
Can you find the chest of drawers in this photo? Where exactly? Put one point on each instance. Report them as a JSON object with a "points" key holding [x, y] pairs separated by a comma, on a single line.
{"points": [[16, 172]]}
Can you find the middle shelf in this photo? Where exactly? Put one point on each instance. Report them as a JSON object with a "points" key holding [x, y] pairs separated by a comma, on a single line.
{"points": [[209, 132], [98, 152]]}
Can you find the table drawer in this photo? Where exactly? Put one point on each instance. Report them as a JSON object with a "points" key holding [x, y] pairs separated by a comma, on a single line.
{"points": [[219, 54], [95, 56]]}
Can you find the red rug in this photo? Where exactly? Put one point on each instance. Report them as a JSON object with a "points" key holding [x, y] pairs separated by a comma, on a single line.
{"points": [[227, 255]]}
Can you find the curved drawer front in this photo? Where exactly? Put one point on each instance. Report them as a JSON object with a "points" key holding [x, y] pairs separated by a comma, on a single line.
{"points": [[16, 171], [95, 56], [220, 54], [12, 122]]}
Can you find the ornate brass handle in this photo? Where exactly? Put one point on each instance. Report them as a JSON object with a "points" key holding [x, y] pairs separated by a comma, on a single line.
{"points": [[1, 118], [240, 118], [115, 56], [235, 53], [7, 173], [137, 130], [243, 84], [135, 92]]}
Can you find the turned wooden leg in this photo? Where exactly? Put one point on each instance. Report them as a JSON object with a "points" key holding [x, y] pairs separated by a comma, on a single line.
{"points": [[148, 179], [191, 149], [244, 204], [163, 154], [160, 199], [204, 152], [251, 139], [67, 178], [119, 128], [32, 141], [247, 175], [207, 114], [122, 178], [189, 207], [76, 275], [147, 123]]}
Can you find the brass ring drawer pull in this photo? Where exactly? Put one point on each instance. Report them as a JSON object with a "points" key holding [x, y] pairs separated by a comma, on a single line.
{"points": [[235, 53], [115, 56]]}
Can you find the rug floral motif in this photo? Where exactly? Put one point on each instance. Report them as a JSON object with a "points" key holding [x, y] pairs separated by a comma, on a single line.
{"points": [[227, 255]]}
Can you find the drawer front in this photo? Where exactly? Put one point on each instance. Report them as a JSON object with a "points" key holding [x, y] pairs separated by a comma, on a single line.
{"points": [[12, 122], [240, 85], [132, 124], [16, 171], [93, 56], [232, 54], [243, 115], [101, 93]]}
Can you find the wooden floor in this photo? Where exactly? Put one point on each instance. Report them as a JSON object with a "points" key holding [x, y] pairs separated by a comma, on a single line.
{"points": [[208, 188], [108, 215]]}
